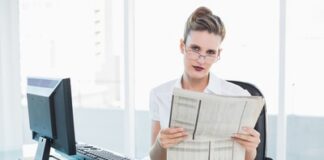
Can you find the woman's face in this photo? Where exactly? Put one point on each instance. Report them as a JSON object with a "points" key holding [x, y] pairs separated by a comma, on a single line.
{"points": [[200, 52]]}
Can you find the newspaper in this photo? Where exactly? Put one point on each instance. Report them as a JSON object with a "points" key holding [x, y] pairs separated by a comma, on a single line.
{"points": [[210, 121]]}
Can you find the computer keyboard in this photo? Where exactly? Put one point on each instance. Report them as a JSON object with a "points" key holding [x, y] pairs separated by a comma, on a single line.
{"points": [[89, 152]]}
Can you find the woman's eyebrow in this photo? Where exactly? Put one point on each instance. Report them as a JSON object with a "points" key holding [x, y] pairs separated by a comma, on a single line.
{"points": [[195, 45]]}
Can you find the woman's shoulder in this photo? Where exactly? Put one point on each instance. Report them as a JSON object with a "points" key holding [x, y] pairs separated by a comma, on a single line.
{"points": [[165, 87], [229, 88]]}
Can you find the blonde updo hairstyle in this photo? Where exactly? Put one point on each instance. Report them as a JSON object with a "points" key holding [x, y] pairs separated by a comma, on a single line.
{"points": [[202, 19]]}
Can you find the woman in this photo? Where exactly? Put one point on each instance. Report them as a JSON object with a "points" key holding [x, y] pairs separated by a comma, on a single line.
{"points": [[200, 46]]}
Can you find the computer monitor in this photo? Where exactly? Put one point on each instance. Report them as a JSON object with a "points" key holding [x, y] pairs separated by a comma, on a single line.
{"points": [[51, 115]]}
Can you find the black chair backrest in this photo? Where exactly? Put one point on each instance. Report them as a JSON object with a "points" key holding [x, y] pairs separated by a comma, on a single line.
{"points": [[261, 123]]}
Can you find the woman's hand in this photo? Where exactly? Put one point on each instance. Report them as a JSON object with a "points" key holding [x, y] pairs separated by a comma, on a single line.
{"points": [[249, 140], [168, 137]]}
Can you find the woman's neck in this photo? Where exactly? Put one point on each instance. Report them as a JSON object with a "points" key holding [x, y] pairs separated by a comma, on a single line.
{"points": [[192, 84]]}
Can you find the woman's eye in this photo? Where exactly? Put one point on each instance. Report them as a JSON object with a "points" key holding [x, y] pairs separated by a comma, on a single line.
{"points": [[195, 48], [211, 52]]}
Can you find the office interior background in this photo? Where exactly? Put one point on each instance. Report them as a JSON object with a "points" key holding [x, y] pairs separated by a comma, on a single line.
{"points": [[115, 51]]}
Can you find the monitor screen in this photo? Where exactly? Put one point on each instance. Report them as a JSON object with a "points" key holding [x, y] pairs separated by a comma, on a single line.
{"points": [[50, 114]]}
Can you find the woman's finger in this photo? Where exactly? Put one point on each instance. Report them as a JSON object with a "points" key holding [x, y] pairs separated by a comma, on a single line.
{"points": [[246, 137], [171, 142], [176, 135], [171, 130], [246, 144], [172, 133], [251, 131]]}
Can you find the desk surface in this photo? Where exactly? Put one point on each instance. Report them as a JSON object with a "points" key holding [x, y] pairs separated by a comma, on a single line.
{"points": [[27, 153], [10, 155]]}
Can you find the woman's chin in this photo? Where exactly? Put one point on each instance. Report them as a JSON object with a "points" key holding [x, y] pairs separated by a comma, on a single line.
{"points": [[197, 75]]}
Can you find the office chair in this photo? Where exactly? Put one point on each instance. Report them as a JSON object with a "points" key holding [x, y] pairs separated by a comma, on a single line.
{"points": [[261, 125]]}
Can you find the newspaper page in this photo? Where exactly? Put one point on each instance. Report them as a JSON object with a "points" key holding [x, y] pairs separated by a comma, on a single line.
{"points": [[210, 121]]}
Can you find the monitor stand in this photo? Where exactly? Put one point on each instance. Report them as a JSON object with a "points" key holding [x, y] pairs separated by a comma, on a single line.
{"points": [[43, 149]]}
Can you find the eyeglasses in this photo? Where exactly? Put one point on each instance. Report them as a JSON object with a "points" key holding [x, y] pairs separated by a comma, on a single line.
{"points": [[194, 54]]}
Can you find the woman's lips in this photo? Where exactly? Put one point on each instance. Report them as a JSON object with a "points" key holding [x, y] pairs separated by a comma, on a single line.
{"points": [[197, 68]]}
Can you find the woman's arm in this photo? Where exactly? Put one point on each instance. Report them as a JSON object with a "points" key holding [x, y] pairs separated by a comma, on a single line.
{"points": [[157, 152], [164, 138]]}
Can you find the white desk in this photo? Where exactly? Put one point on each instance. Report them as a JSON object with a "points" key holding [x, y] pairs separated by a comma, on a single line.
{"points": [[29, 151]]}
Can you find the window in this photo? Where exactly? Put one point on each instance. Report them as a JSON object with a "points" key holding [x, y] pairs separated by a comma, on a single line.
{"points": [[304, 79], [83, 40], [77, 39]]}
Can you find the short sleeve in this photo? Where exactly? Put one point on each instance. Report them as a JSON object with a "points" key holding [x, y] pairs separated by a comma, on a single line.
{"points": [[154, 107]]}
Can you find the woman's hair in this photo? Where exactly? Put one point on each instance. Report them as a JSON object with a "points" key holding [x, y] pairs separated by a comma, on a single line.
{"points": [[202, 19]]}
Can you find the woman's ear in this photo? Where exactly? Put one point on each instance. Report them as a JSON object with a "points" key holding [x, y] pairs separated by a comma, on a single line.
{"points": [[182, 46], [219, 53]]}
